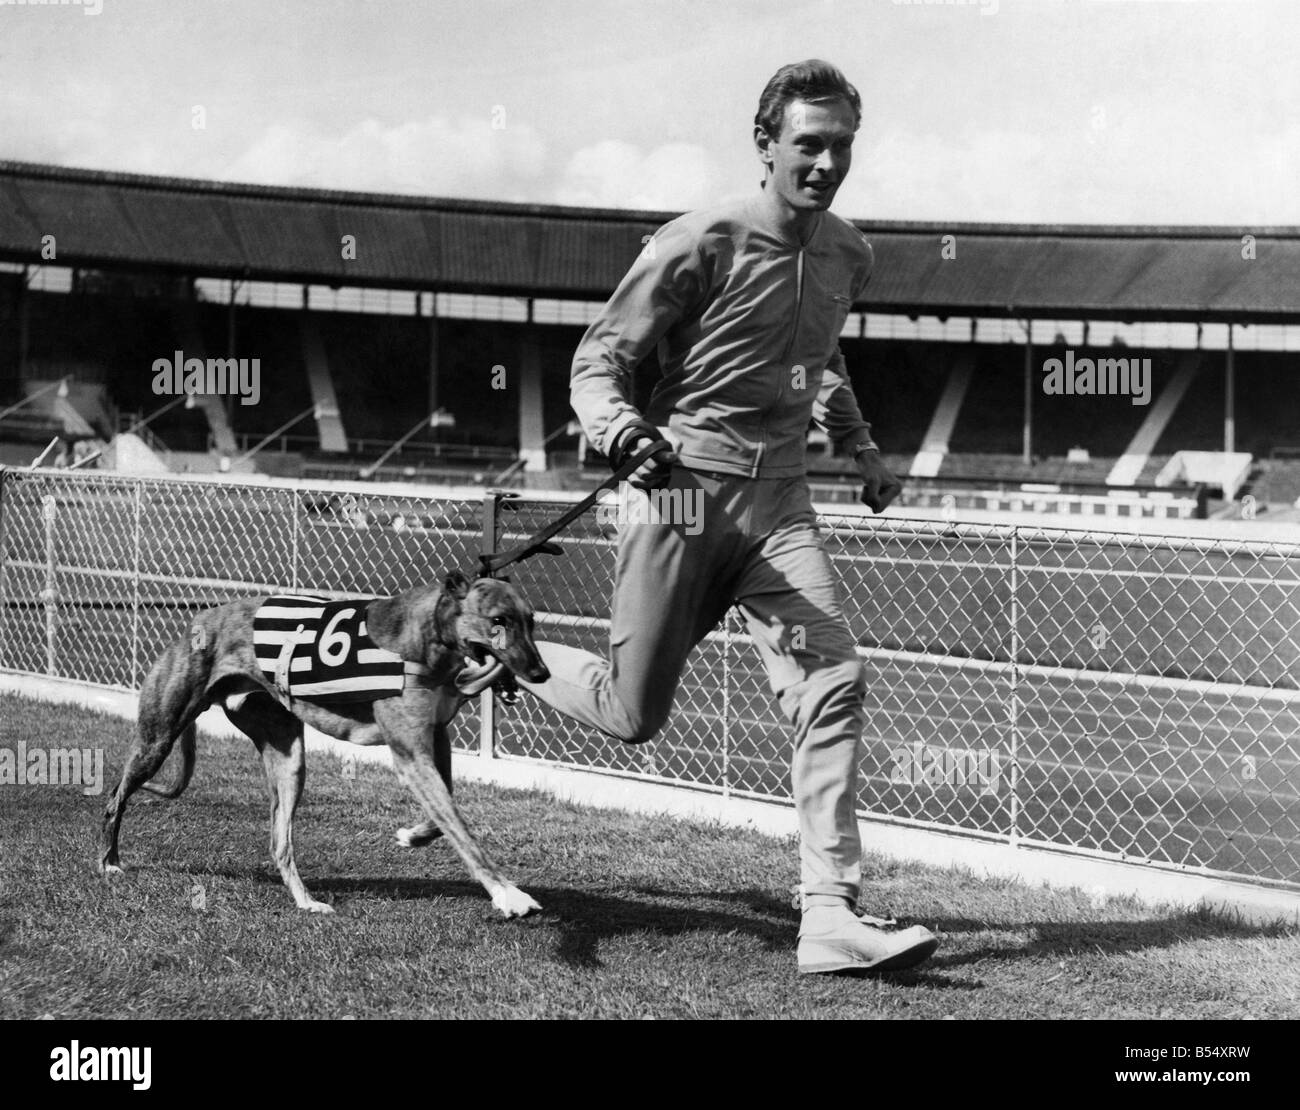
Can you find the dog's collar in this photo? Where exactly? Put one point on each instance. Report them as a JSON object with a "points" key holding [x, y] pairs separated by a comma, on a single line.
{"points": [[417, 669]]}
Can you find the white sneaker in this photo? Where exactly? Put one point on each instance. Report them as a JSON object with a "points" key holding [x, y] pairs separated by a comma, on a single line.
{"points": [[834, 938]]}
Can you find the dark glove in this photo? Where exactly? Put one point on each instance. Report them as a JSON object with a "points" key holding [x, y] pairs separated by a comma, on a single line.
{"points": [[657, 469], [879, 485]]}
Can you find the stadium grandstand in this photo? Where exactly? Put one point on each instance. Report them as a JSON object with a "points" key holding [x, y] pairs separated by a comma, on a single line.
{"points": [[384, 327]]}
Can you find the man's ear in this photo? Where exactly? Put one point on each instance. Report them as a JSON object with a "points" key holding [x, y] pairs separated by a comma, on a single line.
{"points": [[457, 585], [763, 143]]}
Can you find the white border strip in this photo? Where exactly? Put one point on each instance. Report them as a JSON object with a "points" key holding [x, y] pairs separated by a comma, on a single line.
{"points": [[1284, 536], [1046, 672], [1101, 878]]}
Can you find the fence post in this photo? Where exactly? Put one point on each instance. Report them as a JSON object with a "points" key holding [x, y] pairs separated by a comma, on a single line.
{"points": [[49, 595], [727, 642], [136, 530], [487, 706], [1013, 707], [4, 596], [295, 507]]}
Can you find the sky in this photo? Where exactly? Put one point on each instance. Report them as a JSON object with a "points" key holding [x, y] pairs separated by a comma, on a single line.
{"points": [[991, 111]]}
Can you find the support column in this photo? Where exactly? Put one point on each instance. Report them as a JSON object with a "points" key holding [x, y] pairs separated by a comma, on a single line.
{"points": [[532, 430], [330, 433], [231, 336], [24, 326], [189, 335], [231, 340], [1028, 444], [1129, 466], [934, 445], [1229, 399], [433, 353]]}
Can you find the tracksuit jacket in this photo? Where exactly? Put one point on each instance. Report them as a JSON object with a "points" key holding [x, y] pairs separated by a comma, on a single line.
{"points": [[747, 321]]}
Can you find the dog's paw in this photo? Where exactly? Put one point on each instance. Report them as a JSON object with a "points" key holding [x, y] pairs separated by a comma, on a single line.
{"points": [[416, 837], [513, 902], [312, 906], [108, 870]]}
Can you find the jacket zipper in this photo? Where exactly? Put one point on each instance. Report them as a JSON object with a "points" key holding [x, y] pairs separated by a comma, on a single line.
{"points": [[798, 305], [785, 355]]}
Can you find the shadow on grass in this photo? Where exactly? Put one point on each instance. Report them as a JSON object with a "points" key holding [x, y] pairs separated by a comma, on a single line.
{"points": [[1064, 939], [583, 919]]}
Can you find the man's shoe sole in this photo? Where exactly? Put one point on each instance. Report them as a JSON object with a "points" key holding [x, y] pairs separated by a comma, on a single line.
{"points": [[822, 959]]}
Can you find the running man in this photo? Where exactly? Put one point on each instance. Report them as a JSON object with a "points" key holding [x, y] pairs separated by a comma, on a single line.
{"points": [[745, 302]]}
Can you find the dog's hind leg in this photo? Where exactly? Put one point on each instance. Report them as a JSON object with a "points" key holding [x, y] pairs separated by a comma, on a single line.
{"points": [[170, 699], [426, 832], [278, 736], [147, 755], [415, 766]]}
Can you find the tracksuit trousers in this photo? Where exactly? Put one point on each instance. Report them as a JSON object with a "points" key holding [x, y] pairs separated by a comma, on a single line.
{"points": [[757, 546]]}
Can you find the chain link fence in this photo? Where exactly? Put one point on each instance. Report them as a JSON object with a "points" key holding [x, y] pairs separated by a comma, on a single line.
{"points": [[1125, 696]]}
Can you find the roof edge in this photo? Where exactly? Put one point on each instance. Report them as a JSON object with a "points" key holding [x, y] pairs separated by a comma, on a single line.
{"points": [[201, 186]]}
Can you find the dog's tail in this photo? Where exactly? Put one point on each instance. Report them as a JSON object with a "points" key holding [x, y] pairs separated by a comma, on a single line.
{"points": [[187, 738]]}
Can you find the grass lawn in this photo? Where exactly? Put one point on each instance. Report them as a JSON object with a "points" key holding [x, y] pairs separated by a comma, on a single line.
{"points": [[644, 916]]}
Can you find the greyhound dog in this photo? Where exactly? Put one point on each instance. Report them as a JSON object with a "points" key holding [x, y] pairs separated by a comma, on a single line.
{"points": [[453, 641]]}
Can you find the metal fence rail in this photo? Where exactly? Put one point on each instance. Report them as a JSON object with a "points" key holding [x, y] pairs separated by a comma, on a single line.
{"points": [[1126, 696]]}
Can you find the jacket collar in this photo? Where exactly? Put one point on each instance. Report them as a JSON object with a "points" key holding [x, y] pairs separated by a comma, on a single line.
{"points": [[765, 218]]}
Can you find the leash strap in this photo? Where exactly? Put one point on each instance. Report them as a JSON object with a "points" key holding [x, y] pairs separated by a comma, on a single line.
{"points": [[496, 561]]}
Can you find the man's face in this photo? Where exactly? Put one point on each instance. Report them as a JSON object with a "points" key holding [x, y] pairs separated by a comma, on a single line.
{"points": [[812, 155]]}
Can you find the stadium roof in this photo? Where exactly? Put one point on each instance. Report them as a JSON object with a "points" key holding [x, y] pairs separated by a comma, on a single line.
{"points": [[213, 229]]}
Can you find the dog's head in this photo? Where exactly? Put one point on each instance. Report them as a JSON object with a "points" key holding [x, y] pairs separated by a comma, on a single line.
{"points": [[493, 621]]}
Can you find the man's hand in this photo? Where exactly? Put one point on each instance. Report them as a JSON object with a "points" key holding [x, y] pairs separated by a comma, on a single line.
{"points": [[879, 486], [657, 469]]}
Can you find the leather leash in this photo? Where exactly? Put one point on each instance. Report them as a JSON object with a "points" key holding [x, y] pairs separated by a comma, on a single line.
{"points": [[492, 562]]}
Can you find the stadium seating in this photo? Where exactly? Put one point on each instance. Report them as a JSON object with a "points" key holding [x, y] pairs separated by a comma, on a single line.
{"points": [[380, 366]]}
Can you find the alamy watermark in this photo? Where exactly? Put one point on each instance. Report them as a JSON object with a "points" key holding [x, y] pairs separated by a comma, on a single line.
{"points": [[93, 7], [88, 1063], [990, 7], [1103, 377], [674, 507], [180, 376], [922, 764], [37, 766]]}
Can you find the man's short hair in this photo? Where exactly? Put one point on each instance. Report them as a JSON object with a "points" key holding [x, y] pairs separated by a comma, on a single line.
{"points": [[813, 81]]}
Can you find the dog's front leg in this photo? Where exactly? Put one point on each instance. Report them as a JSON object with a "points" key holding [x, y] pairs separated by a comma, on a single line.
{"points": [[286, 771], [426, 832], [415, 767]]}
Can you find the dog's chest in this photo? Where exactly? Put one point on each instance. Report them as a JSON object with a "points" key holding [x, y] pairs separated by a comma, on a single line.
{"points": [[310, 647]]}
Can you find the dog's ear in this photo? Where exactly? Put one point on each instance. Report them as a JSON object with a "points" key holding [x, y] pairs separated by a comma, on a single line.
{"points": [[457, 585]]}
